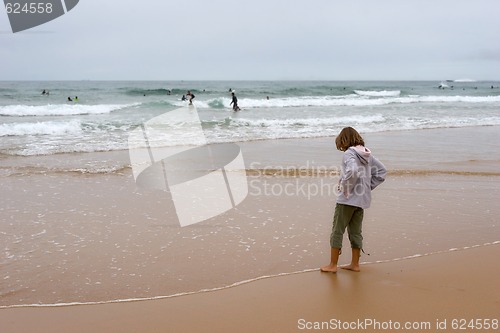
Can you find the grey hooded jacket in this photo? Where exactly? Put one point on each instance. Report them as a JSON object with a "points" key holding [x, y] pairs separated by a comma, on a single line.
{"points": [[361, 172]]}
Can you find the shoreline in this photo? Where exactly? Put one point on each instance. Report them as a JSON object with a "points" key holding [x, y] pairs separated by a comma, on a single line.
{"points": [[243, 282], [321, 150], [434, 287]]}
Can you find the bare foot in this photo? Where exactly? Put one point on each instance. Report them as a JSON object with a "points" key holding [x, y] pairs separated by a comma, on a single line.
{"points": [[354, 268], [329, 269]]}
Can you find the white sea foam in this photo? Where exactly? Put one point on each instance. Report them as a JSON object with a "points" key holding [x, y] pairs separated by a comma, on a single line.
{"points": [[74, 134], [368, 98], [51, 149], [305, 122], [382, 93], [59, 109], [40, 128], [464, 80]]}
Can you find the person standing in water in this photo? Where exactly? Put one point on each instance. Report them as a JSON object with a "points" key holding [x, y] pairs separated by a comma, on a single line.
{"points": [[234, 102], [360, 173], [190, 95]]}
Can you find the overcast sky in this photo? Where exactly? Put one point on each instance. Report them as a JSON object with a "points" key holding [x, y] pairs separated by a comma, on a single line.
{"points": [[259, 40]]}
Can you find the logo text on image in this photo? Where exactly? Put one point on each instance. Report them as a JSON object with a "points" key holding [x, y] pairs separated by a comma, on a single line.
{"points": [[26, 14], [204, 180]]}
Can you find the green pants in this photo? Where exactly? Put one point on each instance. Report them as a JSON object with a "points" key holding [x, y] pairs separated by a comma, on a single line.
{"points": [[349, 217]]}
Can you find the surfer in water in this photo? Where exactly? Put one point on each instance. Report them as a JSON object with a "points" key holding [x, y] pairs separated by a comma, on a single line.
{"points": [[190, 95], [234, 102]]}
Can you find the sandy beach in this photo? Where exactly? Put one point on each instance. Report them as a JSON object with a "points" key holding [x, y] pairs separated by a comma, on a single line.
{"points": [[441, 292], [116, 250]]}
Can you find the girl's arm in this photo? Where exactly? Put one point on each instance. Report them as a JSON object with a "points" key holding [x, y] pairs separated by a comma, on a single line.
{"points": [[378, 173]]}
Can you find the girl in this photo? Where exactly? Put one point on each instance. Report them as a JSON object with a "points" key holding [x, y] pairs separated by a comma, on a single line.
{"points": [[360, 174]]}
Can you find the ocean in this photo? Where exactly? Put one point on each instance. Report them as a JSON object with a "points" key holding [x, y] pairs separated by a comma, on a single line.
{"points": [[78, 227], [34, 124]]}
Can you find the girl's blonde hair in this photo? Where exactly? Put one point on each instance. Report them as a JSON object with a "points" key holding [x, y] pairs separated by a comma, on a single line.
{"points": [[348, 137]]}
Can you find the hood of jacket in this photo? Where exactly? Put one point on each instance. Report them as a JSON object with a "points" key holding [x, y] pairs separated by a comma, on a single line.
{"points": [[364, 154]]}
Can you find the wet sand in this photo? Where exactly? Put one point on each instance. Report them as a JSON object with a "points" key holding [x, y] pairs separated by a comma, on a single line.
{"points": [[95, 238], [443, 289]]}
